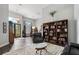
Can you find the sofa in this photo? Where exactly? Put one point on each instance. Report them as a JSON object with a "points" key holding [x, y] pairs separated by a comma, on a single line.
{"points": [[71, 49]]}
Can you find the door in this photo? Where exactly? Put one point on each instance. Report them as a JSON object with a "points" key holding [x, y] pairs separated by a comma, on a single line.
{"points": [[11, 32]]}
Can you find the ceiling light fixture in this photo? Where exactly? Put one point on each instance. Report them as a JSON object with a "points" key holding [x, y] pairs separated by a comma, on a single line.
{"points": [[53, 13]]}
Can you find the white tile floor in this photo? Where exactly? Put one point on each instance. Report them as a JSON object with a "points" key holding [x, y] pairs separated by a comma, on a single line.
{"points": [[22, 42], [25, 46]]}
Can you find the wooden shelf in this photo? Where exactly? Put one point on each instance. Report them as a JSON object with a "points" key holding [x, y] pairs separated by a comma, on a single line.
{"points": [[58, 29]]}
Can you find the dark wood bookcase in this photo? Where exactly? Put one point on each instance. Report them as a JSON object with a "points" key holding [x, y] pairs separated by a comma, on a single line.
{"points": [[56, 32]]}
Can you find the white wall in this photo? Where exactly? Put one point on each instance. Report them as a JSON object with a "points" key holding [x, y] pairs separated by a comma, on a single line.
{"points": [[76, 16], [3, 18], [62, 13], [78, 32]]}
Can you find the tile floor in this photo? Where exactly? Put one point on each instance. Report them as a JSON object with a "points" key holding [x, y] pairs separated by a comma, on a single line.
{"points": [[25, 46]]}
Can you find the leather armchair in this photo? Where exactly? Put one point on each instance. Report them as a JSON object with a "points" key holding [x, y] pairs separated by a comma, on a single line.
{"points": [[37, 38]]}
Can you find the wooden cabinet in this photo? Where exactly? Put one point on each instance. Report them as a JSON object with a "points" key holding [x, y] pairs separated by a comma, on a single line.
{"points": [[56, 32]]}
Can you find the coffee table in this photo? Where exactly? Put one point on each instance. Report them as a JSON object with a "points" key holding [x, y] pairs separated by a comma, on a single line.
{"points": [[40, 47]]}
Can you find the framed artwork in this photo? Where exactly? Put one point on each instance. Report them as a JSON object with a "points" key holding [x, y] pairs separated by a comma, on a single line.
{"points": [[4, 27], [17, 30]]}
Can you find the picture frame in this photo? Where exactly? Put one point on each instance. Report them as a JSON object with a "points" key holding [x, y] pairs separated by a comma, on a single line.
{"points": [[4, 27]]}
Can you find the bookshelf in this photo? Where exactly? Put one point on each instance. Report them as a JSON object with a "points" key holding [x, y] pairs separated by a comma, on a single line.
{"points": [[46, 32], [56, 32]]}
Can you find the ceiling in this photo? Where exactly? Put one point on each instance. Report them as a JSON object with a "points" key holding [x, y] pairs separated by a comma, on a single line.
{"points": [[34, 11], [28, 10]]}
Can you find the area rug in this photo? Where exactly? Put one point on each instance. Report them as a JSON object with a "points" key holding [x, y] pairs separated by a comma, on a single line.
{"points": [[51, 50]]}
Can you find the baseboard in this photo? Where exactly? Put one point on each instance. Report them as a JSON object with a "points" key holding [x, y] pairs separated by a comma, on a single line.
{"points": [[4, 44]]}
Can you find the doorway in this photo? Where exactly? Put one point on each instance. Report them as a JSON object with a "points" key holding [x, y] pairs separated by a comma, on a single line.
{"points": [[11, 32], [28, 28], [11, 21]]}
